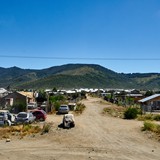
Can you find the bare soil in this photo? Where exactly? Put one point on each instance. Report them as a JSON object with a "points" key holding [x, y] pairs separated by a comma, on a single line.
{"points": [[95, 136]]}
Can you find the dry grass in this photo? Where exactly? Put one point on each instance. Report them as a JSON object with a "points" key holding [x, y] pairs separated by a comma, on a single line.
{"points": [[115, 111], [152, 129], [46, 128], [151, 117], [20, 131]]}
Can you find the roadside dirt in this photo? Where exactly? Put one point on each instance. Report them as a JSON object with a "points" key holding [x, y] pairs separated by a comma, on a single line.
{"points": [[95, 136]]}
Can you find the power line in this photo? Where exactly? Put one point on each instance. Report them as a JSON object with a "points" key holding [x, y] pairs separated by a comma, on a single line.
{"points": [[81, 58]]}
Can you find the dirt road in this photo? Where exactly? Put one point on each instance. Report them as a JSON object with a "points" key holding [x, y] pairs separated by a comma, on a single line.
{"points": [[95, 137]]}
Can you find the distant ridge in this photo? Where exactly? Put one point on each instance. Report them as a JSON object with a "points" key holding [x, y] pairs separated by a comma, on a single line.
{"points": [[71, 76]]}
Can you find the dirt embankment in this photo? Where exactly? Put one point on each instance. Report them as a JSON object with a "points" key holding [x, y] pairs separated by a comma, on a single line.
{"points": [[95, 137]]}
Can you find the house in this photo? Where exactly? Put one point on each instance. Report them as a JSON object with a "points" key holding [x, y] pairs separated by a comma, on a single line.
{"points": [[151, 103], [14, 99]]}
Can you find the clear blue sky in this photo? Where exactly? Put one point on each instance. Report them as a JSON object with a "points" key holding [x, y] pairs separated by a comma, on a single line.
{"points": [[121, 35]]}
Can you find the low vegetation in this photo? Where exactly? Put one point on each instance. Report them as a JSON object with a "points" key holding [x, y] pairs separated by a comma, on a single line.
{"points": [[122, 112], [115, 111], [131, 113], [150, 126], [151, 117], [153, 128], [46, 128], [80, 107], [21, 131]]}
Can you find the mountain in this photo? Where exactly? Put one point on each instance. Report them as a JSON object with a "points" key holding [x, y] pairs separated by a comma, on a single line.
{"points": [[76, 76]]}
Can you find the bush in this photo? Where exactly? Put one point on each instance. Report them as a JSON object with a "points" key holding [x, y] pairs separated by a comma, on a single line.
{"points": [[130, 113], [80, 108], [46, 128], [149, 126], [57, 105], [156, 117]]}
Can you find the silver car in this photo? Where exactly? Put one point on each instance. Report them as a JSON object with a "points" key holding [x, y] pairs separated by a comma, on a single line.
{"points": [[24, 118], [63, 109]]}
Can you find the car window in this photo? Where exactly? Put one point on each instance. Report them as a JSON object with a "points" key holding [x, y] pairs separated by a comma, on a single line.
{"points": [[22, 115]]}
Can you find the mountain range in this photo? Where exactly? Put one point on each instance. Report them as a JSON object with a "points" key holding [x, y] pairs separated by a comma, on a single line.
{"points": [[71, 76]]}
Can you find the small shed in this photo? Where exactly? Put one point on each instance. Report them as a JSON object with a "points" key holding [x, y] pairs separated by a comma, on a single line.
{"points": [[151, 103]]}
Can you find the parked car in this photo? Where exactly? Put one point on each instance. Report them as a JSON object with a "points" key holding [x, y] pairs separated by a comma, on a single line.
{"points": [[24, 118], [6, 118], [72, 106], [40, 115], [68, 121], [44, 105], [32, 105], [63, 109]]}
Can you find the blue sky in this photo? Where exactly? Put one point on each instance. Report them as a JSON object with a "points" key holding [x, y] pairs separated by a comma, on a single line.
{"points": [[121, 35]]}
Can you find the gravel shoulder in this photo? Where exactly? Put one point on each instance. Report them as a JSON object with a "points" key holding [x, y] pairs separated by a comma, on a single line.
{"points": [[95, 136]]}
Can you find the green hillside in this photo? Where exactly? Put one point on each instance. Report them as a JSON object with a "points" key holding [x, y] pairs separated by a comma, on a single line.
{"points": [[76, 76]]}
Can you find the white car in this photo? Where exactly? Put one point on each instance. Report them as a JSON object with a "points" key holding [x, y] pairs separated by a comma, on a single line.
{"points": [[6, 118]]}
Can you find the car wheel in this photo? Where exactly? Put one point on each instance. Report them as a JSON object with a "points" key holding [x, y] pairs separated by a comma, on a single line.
{"points": [[7, 123], [41, 119]]}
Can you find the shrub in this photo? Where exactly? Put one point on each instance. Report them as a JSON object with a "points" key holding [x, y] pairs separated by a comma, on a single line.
{"points": [[149, 126], [46, 128], [57, 105], [80, 108], [130, 113], [57, 98], [156, 117]]}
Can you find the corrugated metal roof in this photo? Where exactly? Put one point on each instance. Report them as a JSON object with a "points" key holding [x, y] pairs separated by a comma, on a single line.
{"points": [[149, 98]]}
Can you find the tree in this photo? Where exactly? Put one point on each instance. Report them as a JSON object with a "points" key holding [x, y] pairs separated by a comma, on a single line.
{"points": [[149, 93], [41, 96]]}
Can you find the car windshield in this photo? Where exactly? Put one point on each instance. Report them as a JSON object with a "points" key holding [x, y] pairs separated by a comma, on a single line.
{"points": [[64, 107], [22, 115]]}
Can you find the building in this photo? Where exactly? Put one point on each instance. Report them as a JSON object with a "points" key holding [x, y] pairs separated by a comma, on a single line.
{"points": [[14, 99], [151, 103]]}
